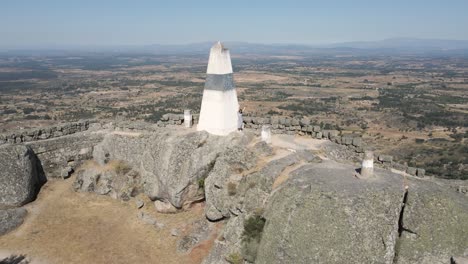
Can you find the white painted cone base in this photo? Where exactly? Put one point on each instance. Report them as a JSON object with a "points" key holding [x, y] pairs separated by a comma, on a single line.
{"points": [[218, 113]]}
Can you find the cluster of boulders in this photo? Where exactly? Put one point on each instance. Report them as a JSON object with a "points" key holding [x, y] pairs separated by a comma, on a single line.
{"points": [[117, 180], [44, 133]]}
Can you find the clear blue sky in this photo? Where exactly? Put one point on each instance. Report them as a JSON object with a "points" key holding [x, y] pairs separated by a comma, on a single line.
{"points": [[117, 22]]}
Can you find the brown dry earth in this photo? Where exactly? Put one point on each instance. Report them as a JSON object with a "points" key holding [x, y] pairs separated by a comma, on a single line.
{"points": [[64, 226]]}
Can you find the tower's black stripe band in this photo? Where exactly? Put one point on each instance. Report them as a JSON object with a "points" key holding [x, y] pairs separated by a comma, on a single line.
{"points": [[219, 82]]}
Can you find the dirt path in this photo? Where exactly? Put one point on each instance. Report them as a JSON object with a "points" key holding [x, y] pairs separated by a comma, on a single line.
{"points": [[296, 142], [68, 227]]}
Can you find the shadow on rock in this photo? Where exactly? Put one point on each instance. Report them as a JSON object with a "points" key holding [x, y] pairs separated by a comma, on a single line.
{"points": [[40, 174], [15, 259]]}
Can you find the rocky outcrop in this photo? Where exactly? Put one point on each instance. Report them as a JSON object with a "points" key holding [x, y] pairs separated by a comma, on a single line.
{"points": [[222, 182], [199, 231], [324, 214], [278, 205], [245, 199], [11, 219], [172, 166], [434, 225], [20, 175]]}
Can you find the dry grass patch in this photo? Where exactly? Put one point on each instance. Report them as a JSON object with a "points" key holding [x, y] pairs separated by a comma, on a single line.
{"points": [[64, 226]]}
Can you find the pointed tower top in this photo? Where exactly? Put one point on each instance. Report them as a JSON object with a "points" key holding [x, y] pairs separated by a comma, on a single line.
{"points": [[220, 60], [218, 46]]}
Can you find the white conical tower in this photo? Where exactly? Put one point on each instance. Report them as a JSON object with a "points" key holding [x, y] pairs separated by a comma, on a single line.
{"points": [[218, 113]]}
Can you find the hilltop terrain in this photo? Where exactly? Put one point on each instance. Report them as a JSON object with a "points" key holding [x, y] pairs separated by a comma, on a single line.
{"points": [[124, 181], [138, 192], [413, 106]]}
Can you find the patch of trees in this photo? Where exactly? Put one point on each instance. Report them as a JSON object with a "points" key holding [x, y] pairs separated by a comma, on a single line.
{"points": [[9, 111], [308, 107], [426, 110], [15, 76], [28, 110]]}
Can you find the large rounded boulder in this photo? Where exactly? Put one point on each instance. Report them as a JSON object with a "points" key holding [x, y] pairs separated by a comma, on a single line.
{"points": [[20, 175]]}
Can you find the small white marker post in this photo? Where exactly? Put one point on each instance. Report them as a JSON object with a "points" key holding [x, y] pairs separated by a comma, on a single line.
{"points": [[266, 134], [367, 168], [187, 118]]}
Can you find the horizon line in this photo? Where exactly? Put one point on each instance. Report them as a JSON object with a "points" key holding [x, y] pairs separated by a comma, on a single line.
{"points": [[68, 46]]}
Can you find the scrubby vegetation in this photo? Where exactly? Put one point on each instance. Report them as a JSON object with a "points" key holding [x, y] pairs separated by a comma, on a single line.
{"points": [[360, 92], [235, 258], [253, 228], [232, 188], [251, 236]]}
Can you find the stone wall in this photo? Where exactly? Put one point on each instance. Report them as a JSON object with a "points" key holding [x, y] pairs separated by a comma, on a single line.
{"points": [[304, 127], [60, 156], [56, 160], [29, 135], [284, 125], [60, 148]]}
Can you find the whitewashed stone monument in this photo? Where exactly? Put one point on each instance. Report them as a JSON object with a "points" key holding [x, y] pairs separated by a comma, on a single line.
{"points": [[187, 118], [266, 134], [218, 113], [367, 168]]}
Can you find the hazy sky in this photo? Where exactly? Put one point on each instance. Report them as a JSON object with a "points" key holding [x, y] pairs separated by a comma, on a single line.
{"points": [[116, 22]]}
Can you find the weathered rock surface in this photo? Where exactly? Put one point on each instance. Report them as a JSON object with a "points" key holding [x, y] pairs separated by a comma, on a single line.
{"points": [[172, 166], [149, 220], [230, 243], [434, 224], [200, 231], [164, 207], [139, 203], [324, 214], [318, 213], [223, 180], [20, 175], [115, 179], [251, 193], [11, 218]]}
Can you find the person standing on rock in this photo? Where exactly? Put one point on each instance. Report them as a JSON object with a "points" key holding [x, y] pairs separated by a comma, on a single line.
{"points": [[240, 120]]}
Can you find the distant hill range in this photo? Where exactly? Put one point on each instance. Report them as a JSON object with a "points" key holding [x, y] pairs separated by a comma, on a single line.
{"points": [[406, 44], [387, 46]]}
